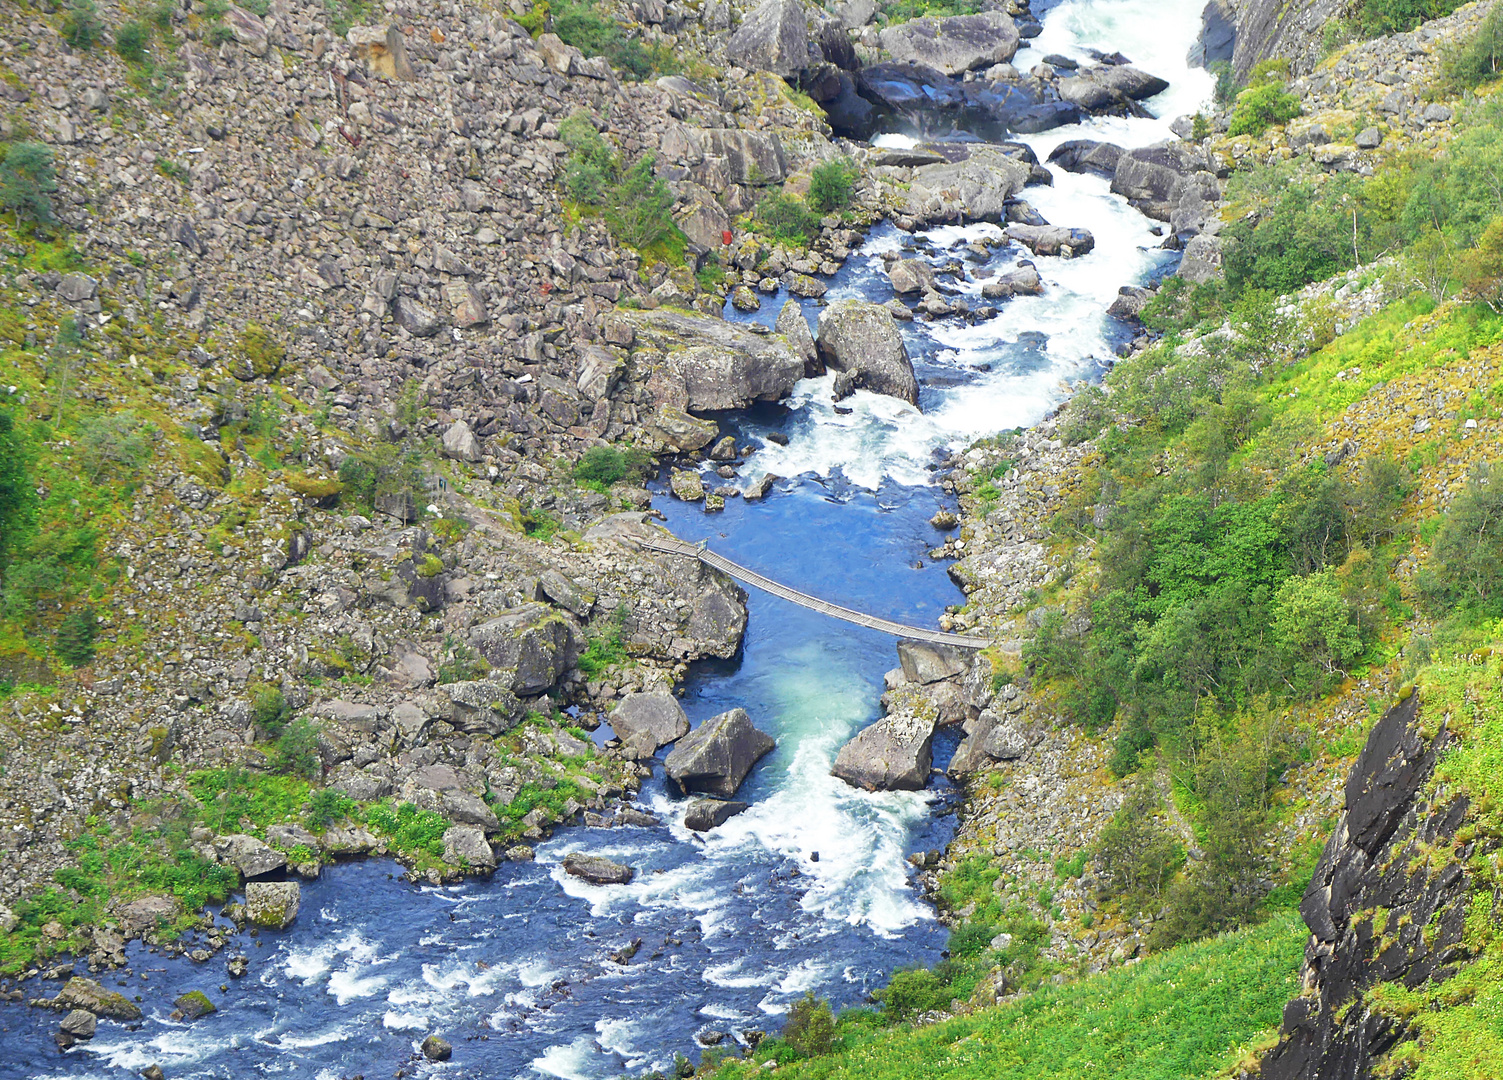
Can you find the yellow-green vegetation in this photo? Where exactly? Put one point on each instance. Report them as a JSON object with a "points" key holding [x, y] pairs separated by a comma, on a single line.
{"points": [[635, 203], [1185, 1013]]}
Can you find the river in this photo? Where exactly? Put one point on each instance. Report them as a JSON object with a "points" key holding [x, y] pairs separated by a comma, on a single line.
{"points": [[810, 889]]}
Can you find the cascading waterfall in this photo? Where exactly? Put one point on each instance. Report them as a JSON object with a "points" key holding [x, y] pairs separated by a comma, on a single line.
{"points": [[737, 924]]}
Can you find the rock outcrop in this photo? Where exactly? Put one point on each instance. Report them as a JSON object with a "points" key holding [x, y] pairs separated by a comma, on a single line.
{"points": [[893, 754], [89, 996], [597, 870], [716, 757], [1391, 818], [773, 36], [709, 365], [647, 720], [272, 904], [953, 45], [861, 338]]}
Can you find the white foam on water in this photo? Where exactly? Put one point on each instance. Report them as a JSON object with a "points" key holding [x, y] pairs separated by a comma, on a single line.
{"points": [[321, 1038], [895, 141], [721, 1012], [618, 1036], [174, 1049], [569, 1061], [394, 1020], [734, 975], [804, 976], [346, 985]]}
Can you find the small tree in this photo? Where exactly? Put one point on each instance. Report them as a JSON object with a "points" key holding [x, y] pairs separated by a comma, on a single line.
{"points": [[27, 180], [1136, 850], [130, 42], [810, 1028], [1482, 266], [831, 185], [639, 212], [82, 29], [296, 751], [1466, 559], [1314, 623], [1260, 107]]}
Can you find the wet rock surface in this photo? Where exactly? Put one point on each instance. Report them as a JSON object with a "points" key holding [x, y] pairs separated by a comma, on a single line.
{"points": [[716, 757]]}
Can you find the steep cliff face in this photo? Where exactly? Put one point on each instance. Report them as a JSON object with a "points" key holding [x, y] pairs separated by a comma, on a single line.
{"points": [[1290, 29], [1388, 902]]}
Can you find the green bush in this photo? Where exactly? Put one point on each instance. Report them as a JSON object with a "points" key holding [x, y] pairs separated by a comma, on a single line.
{"points": [[27, 181], [131, 41], [326, 807], [1300, 231], [75, 637], [639, 211], [269, 710], [410, 830], [82, 28], [603, 466], [1380, 17], [1467, 65], [296, 751], [786, 219], [831, 185], [1260, 107], [1136, 850], [581, 25], [1465, 568], [1085, 416], [591, 165], [810, 1027]]}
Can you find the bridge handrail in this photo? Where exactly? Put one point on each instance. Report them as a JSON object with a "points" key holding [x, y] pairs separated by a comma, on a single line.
{"points": [[672, 545]]}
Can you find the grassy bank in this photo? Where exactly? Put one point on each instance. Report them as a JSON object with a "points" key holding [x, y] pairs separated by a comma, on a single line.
{"points": [[1187, 1012]]}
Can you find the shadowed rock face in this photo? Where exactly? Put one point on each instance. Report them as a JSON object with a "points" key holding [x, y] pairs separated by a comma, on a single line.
{"points": [[597, 870], [772, 37], [717, 756], [1390, 817]]}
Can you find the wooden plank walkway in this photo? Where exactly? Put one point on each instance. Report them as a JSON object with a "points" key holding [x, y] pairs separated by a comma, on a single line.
{"points": [[671, 545]]}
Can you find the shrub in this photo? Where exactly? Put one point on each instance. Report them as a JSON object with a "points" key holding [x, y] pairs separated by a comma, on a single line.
{"points": [[580, 25], [1136, 850], [27, 180], [18, 497], [269, 710], [639, 211], [787, 220], [831, 184], [1260, 107], [261, 350], [1482, 266], [1469, 64], [296, 750], [1466, 558], [75, 637], [1312, 619], [1085, 416], [591, 166], [326, 807], [410, 830], [810, 1027], [130, 42], [1381, 17], [83, 28]]}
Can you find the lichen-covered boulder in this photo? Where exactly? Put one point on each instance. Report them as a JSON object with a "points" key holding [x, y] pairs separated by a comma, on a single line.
{"points": [[774, 36], [956, 44], [647, 720], [465, 845], [272, 904], [250, 856], [710, 365], [716, 757], [862, 338], [992, 736], [193, 1004], [894, 754], [980, 187], [535, 643], [88, 995]]}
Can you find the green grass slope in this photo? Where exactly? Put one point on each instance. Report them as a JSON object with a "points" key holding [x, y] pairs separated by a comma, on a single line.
{"points": [[1187, 1012]]}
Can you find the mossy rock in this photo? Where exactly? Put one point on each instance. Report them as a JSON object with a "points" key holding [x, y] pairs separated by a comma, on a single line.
{"points": [[321, 491], [193, 1004], [260, 355]]}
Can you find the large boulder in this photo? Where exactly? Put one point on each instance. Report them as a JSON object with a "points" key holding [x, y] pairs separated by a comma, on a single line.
{"points": [[774, 36], [465, 845], [710, 365], [440, 789], [477, 707], [680, 431], [894, 754], [992, 736], [749, 157], [272, 904], [535, 643], [1109, 86], [862, 338], [795, 330], [1052, 239], [596, 869], [925, 663], [715, 757], [910, 276], [976, 188], [250, 856], [86, 994], [706, 814], [1086, 156], [954, 45], [647, 720], [1201, 261], [1157, 179]]}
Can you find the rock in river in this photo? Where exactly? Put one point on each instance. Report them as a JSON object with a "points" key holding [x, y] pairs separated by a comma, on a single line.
{"points": [[891, 755], [706, 814], [715, 757], [862, 338], [710, 365], [86, 994], [645, 721], [597, 870], [437, 1049], [272, 903]]}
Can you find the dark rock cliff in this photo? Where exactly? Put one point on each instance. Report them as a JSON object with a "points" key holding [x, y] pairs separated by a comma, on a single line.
{"points": [[1387, 903]]}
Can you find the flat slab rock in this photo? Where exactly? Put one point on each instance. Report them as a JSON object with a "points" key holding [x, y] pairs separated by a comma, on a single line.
{"points": [[90, 996], [596, 869], [716, 757]]}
